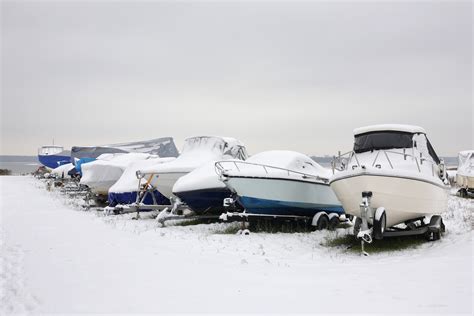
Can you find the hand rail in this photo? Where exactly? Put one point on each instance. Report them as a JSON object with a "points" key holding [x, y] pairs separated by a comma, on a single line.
{"points": [[220, 169], [353, 154]]}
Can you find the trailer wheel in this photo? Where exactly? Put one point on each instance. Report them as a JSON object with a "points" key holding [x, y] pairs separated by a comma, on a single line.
{"points": [[380, 221], [323, 222], [357, 224], [333, 223]]}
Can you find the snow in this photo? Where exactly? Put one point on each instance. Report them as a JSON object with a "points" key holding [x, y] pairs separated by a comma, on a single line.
{"points": [[58, 259], [128, 182], [466, 163], [204, 177], [63, 170], [108, 168], [389, 127], [199, 150]]}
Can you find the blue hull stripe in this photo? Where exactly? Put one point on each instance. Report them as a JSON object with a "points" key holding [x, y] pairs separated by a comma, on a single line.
{"points": [[131, 197], [272, 207], [53, 161]]}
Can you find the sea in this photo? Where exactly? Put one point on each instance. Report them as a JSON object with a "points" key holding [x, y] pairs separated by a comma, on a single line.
{"points": [[19, 165]]}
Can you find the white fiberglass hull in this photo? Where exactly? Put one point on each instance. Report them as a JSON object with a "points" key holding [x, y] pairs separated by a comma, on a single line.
{"points": [[465, 181], [403, 198], [164, 182], [283, 196], [101, 187]]}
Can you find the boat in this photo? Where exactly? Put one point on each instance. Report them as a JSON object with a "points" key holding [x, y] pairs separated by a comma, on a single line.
{"points": [[202, 191], [162, 147], [99, 175], [465, 173], [392, 176], [126, 189], [53, 156], [196, 152], [281, 183]]}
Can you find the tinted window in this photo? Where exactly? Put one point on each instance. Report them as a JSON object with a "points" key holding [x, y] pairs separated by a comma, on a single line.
{"points": [[382, 140]]}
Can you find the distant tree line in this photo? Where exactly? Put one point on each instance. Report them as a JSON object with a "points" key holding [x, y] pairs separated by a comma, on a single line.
{"points": [[5, 172]]}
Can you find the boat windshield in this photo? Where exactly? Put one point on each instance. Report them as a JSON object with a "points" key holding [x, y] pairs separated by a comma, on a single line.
{"points": [[382, 140], [50, 150]]}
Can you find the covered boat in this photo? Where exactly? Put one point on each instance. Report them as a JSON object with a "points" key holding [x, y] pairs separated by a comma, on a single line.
{"points": [[465, 172], [162, 147], [53, 156], [396, 174], [280, 183], [196, 152], [202, 191], [99, 175], [126, 189]]}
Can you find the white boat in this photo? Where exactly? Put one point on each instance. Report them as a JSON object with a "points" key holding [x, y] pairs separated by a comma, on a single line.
{"points": [[99, 175], [196, 152], [398, 172], [280, 183], [465, 172]]}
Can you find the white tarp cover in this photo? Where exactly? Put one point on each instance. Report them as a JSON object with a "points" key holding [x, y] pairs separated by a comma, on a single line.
{"points": [[128, 182], [62, 171], [109, 167], [466, 163], [199, 150]]}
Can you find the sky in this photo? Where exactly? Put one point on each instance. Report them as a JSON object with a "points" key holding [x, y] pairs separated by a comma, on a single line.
{"points": [[275, 75]]}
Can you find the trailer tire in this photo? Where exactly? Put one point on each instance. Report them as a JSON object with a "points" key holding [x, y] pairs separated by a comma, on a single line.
{"points": [[380, 222], [323, 222], [333, 222]]}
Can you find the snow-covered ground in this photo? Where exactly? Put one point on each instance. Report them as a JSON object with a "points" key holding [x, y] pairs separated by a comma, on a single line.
{"points": [[58, 259]]}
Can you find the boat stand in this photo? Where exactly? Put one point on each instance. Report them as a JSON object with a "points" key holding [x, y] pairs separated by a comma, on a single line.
{"points": [[417, 226]]}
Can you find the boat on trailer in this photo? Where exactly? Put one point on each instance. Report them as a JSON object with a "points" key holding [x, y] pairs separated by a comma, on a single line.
{"points": [[203, 192], [101, 174], [127, 188], [465, 173], [282, 184], [53, 156], [196, 152], [392, 176]]}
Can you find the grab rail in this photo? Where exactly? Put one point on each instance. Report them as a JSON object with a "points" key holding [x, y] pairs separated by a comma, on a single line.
{"points": [[220, 169], [352, 154]]}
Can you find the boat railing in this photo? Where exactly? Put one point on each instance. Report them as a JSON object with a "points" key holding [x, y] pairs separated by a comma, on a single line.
{"points": [[344, 160], [224, 166]]}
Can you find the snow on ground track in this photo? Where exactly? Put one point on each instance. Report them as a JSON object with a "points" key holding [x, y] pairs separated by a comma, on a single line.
{"points": [[75, 261]]}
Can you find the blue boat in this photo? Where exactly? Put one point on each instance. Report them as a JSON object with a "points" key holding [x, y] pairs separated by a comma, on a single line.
{"points": [[53, 156]]}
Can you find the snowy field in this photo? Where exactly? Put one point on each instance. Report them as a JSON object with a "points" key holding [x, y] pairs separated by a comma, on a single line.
{"points": [[56, 258]]}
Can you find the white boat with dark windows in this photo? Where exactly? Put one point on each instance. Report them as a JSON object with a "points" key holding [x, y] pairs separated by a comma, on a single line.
{"points": [[282, 184], [465, 173], [392, 176]]}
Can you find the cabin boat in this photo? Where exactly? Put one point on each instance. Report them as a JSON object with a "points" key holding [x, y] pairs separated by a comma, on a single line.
{"points": [[392, 176], [53, 156]]}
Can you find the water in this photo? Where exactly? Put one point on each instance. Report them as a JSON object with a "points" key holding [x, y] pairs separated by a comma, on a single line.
{"points": [[27, 164], [19, 164]]}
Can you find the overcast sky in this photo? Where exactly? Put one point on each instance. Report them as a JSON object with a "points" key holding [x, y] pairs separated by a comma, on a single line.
{"points": [[276, 75]]}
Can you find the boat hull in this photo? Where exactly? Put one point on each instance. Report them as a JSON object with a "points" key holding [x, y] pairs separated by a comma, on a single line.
{"points": [[54, 161], [116, 198], [403, 198], [205, 201], [164, 182], [283, 196]]}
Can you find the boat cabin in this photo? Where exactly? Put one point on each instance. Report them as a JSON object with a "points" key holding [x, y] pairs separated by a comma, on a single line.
{"points": [[393, 136]]}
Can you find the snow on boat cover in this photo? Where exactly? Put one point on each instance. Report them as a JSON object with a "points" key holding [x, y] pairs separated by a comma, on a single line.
{"points": [[163, 147]]}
